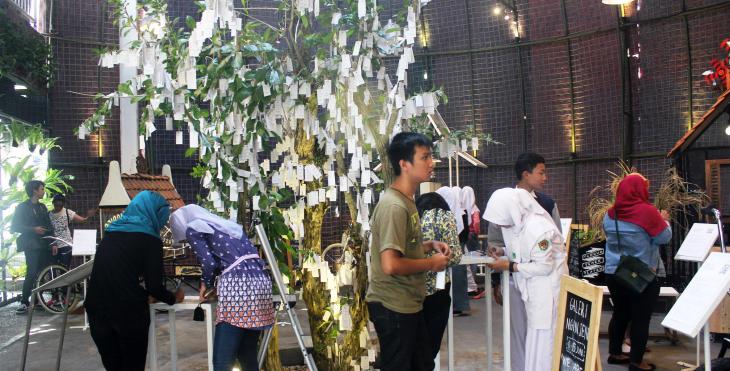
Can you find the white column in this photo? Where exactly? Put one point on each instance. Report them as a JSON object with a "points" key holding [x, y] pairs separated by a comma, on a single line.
{"points": [[128, 115]]}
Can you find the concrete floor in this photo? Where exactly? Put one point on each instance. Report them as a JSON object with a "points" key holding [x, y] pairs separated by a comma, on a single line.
{"points": [[80, 352]]}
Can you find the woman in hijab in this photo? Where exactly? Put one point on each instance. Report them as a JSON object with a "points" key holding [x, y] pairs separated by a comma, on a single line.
{"points": [[116, 303], [641, 229], [437, 224], [472, 217], [536, 252], [452, 195], [245, 307]]}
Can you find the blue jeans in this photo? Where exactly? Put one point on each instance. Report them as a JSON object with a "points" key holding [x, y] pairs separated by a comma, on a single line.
{"points": [[233, 343]]}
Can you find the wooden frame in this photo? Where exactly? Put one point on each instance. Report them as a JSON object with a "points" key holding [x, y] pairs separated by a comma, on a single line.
{"points": [[588, 293]]}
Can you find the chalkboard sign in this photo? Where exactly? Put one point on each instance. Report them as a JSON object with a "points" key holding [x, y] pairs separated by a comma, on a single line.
{"points": [[579, 316], [586, 261]]}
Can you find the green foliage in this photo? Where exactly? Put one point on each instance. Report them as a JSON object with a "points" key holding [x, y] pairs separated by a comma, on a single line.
{"points": [[24, 54], [20, 171]]}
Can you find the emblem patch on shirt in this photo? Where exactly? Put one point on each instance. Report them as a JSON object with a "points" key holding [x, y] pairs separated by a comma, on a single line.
{"points": [[543, 245]]}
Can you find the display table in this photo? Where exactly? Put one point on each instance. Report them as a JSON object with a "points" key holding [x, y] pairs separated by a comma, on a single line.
{"points": [[469, 260], [190, 303]]}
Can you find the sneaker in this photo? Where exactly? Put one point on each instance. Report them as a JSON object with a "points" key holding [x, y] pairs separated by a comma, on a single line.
{"points": [[22, 309]]}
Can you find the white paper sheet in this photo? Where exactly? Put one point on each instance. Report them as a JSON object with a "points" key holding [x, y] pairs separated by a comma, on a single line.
{"points": [[698, 242], [84, 242], [703, 294]]}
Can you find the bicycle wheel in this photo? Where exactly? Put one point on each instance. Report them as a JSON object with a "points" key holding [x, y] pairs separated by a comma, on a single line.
{"points": [[54, 300]]}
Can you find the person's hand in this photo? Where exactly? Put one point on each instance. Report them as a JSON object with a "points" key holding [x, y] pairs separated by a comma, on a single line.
{"points": [[665, 214], [151, 299], [54, 250], [438, 262], [39, 231], [179, 295], [442, 247], [495, 251], [497, 291], [202, 290], [499, 265]]}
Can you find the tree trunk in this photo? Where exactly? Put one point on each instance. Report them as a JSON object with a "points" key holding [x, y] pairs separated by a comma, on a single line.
{"points": [[273, 361], [314, 292]]}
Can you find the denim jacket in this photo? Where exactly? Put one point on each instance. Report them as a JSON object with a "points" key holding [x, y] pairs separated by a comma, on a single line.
{"points": [[634, 241]]}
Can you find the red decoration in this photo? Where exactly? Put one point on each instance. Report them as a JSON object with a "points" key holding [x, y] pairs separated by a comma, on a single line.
{"points": [[720, 67]]}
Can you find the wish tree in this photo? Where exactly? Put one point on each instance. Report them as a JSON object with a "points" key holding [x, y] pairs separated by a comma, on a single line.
{"points": [[284, 117]]}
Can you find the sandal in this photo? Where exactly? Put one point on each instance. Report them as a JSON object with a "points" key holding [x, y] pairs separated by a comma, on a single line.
{"points": [[618, 360], [634, 367]]}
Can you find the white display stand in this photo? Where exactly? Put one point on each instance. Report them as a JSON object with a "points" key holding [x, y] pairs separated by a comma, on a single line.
{"points": [[84, 244], [68, 279], [189, 303], [469, 260], [698, 243], [704, 293], [695, 247]]}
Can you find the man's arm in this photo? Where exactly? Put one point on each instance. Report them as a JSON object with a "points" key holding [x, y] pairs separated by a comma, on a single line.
{"points": [[394, 263]]}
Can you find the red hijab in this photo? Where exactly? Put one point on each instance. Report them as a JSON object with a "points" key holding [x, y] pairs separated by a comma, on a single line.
{"points": [[633, 206]]}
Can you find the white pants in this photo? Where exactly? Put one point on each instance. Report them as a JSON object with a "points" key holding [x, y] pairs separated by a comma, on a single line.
{"points": [[539, 350], [517, 329]]}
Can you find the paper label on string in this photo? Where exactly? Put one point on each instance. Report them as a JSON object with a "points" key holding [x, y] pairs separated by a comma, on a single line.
{"points": [[343, 183], [441, 280]]}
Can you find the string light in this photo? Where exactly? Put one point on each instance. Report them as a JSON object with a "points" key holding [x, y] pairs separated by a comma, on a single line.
{"points": [[425, 75], [497, 10]]}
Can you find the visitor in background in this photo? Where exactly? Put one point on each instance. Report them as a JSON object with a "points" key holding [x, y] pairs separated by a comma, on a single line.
{"points": [[452, 195], [61, 219], [232, 266], [30, 219], [641, 229], [472, 216], [438, 224], [117, 305]]}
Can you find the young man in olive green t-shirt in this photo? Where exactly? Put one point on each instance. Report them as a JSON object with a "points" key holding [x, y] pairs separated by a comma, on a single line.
{"points": [[397, 287]]}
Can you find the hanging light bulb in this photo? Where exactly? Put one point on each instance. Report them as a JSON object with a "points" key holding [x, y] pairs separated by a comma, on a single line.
{"points": [[727, 130], [425, 75], [497, 10]]}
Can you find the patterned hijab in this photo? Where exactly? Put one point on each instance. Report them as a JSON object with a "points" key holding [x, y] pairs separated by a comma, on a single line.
{"points": [[201, 220], [147, 213]]}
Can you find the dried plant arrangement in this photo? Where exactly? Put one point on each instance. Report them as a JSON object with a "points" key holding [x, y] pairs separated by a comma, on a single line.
{"points": [[674, 195]]}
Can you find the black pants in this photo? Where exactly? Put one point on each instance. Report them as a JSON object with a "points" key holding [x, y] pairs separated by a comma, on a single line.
{"points": [[36, 260], [121, 339], [233, 343], [436, 314], [634, 308], [404, 341]]}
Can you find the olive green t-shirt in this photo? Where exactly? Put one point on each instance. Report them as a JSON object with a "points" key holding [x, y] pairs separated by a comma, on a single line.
{"points": [[395, 225]]}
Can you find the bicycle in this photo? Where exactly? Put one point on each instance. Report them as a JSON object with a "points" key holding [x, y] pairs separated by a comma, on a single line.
{"points": [[54, 300]]}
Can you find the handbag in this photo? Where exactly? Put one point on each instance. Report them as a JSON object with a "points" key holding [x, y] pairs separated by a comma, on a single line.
{"points": [[631, 272]]}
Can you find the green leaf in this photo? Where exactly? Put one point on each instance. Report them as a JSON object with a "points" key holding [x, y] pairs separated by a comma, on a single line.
{"points": [[125, 89], [190, 22]]}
